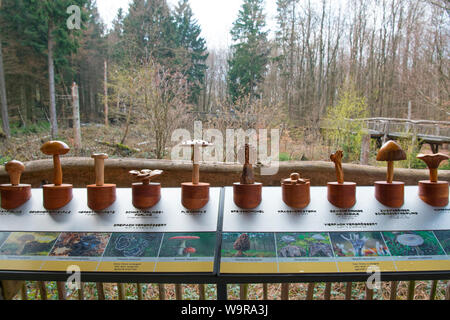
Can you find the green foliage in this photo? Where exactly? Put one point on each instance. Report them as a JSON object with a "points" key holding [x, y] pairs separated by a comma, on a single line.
{"points": [[250, 53], [192, 60], [344, 132], [32, 128], [284, 156]]}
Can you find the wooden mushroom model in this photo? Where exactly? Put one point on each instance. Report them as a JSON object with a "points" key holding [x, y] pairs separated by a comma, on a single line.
{"points": [[433, 191], [341, 194], [56, 195], [247, 192], [145, 194], [296, 191], [390, 192], [195, 194], [14, 194], [100, 195]]}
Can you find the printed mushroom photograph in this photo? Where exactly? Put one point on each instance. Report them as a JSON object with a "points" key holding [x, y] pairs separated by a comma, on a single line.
{"points": [[244, 245], [304, 244], [188, 245], [358, 244], [80, 244], [444, 238], [3, 237], [133, 245], [29, 243], [413, 243]]}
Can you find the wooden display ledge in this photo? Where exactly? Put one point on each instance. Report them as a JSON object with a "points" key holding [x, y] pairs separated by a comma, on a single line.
{"points": [[80, 172]]}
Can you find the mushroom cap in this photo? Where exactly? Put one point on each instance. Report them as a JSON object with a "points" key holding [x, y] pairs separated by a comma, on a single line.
{"points": [[391, 151], [433, 160], [295, 178], [54, 148], [409, 239], [201, 143], [189, 250], [14, 166], [145, 173], [99, 156], [184, 238]]}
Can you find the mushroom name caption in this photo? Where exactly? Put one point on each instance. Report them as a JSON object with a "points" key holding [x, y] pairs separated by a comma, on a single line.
{"points": [[228, 309]]}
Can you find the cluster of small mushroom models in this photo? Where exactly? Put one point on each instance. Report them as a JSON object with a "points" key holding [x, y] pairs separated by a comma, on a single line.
{"points": [[247, 194]]}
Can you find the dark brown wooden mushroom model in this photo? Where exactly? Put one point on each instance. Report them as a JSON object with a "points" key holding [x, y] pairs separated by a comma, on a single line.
{"points": [[100, 195], [390, 192], [247, 192], [56, 195], [195, 194], [145, 194], [341, 194], [14, 194], [296, 191], [433, 191]]}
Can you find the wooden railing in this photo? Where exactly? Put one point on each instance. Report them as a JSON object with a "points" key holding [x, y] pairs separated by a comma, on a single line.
{"points": [[393, 290]]}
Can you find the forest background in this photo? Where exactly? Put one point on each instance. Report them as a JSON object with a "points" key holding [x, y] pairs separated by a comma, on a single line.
{"points": [[325, 63]]}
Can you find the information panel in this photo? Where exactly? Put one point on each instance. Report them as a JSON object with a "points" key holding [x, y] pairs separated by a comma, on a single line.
{"points": [[165, 238], [274, 238]]}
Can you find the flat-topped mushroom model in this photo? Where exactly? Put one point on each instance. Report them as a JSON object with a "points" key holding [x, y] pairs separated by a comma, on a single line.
{"points": [[14, 194], [433, 191], [341, 194], [56, 195], [145, 194], [390, 192], [296, 191], [247, 192], [100, 195], [195, 194]]}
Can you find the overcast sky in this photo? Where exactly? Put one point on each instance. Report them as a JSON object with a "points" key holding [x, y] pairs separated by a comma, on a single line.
{"points": [[214, 16]]}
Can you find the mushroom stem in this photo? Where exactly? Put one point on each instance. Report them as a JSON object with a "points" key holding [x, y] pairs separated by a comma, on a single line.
{"points": [[433, 175], [196, 174], [390, 172], [99, 172], [339, 173], [57, 170]]}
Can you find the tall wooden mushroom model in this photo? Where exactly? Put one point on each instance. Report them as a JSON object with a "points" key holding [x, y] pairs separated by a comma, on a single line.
{"points": [[390, 192], [14, 194], [100, 195], [341, 194], [433, 191], [56, 195], [247, 192], [296, 191], [195, 194], [145, 194]]}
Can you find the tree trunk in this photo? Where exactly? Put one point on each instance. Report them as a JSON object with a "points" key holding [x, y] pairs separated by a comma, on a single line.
{"points": [[5, 118], [105, 86], [76, 117], [51, 82]]}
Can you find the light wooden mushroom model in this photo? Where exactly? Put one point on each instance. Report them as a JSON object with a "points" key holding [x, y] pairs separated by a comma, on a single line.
{"points": [[390, 192], [433, 191], [195, 194], [247, 192], [296, 191], [100, 195], [145, 194], [340, 193], [56, 195], [15, 194]]}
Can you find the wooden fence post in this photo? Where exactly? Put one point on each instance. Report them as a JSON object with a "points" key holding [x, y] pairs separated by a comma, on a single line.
{"points": [[76, 117]]}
